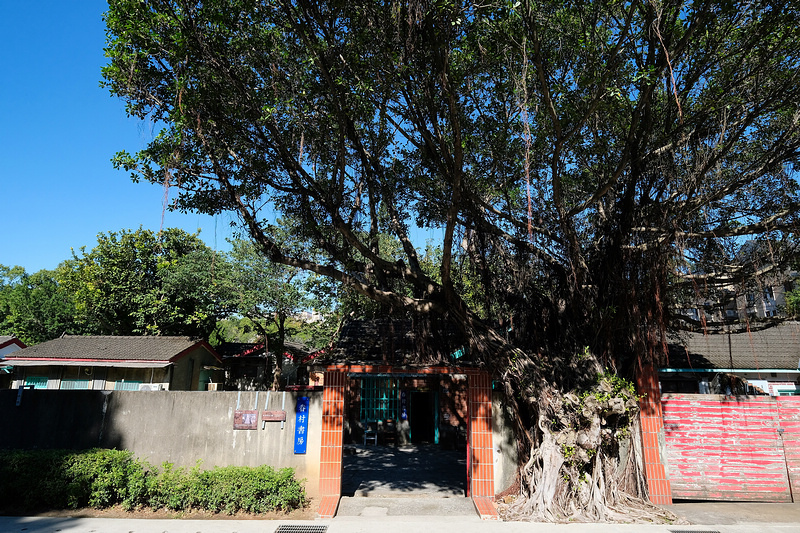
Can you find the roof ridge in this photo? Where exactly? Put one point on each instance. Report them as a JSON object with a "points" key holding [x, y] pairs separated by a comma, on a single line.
{"points": [[189, 337]]}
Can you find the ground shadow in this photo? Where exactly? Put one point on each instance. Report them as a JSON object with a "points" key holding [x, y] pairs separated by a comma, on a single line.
{"points": [[403, 470]]}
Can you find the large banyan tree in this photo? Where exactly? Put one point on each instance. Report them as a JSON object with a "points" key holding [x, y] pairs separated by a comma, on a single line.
{"points": [[582, 162]]}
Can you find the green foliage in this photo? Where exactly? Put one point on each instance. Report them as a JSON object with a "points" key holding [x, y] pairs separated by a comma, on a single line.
{"points": [[35, 307], [55, 479], [611, 386], [566, 153], [171, 488], [140, 283], [234, 329], [793, 303], [264, 291], [254, 490]]}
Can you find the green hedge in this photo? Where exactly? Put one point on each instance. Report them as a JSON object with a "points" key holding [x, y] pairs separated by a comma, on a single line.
{"points": [[56, 479]]}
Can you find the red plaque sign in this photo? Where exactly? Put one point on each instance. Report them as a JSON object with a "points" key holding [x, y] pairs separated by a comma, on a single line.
{"points": [[245, 419], [273, 416]]}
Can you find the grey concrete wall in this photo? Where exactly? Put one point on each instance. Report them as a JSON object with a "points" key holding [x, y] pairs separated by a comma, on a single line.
{"points": [[51, 419], [505, 452], [180, 427]]}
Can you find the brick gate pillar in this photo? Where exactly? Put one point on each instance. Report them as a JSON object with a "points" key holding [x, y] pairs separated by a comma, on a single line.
{"points": [[652, 419], [330, 471], [481, 460]]}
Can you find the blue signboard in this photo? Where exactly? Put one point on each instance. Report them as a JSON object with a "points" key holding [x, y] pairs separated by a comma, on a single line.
{"points": [[301, 425], [403, 405]]}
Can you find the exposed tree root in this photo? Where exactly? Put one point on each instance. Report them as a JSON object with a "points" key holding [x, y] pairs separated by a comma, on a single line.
{"points": [[586, 462]]}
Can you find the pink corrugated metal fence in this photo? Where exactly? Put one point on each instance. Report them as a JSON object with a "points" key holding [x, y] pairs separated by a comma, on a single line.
{"points": [[789, 413], [730, 448]]}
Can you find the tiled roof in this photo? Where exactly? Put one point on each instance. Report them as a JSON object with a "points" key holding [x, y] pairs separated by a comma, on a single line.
{"points": [[129, 348], [241, 349], [774, 347], [395, 342]]}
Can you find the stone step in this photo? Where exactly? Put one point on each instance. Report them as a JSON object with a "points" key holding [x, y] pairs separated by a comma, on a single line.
{"points": [[416, 505]]}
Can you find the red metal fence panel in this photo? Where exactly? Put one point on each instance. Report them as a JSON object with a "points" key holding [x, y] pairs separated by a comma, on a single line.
{"points": [[789, 416], [726, 448]]}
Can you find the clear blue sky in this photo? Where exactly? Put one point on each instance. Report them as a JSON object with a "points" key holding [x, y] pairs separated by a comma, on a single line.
{"points": [[58, 132]]}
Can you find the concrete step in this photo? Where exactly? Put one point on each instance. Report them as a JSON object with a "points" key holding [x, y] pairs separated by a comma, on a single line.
{"points": [[418, 489], [416, 505]]}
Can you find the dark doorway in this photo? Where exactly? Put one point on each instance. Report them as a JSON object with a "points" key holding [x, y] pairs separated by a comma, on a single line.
{"points": [[422, 417]]}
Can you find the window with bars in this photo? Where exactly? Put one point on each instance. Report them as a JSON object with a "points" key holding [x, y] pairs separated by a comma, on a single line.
{"points": [[127, 385], [76, 384], [37, 382], [380, 399]]}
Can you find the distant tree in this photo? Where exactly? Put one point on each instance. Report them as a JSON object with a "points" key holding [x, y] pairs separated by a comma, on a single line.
{"points": [[268, 294], [141, 283], [237, 329], [35, 307]]}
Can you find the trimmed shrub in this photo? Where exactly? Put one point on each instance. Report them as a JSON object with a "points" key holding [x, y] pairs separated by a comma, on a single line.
{"points": [[54, 479], [254, 490], [57, 479]]}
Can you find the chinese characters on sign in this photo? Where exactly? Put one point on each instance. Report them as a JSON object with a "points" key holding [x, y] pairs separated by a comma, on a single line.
{"points": [[301, 425], [273, 416], [403, 405]]}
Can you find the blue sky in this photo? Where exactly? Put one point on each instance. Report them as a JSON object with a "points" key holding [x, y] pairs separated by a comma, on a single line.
{"points": [[58, 132]]}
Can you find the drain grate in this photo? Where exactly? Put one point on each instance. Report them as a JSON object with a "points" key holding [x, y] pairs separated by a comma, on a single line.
{"points": [[301, 529]]}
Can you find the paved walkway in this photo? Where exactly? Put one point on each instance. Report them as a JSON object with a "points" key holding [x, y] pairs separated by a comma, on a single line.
{"points": [[738, 513], [382, 524], [419, 470]]}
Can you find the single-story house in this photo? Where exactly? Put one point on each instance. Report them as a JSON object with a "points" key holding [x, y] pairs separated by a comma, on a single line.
{"points": [[116, 363], [727, 361], [249, 367], [8, 344]]}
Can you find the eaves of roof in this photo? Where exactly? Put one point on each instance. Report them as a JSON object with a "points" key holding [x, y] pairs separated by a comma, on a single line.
{"points": [[87, 362], [12, 340]]}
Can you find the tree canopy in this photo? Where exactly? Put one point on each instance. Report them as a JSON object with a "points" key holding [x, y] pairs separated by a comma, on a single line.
{"points": [[168, 283], [580, 160], [141, 283], [35, 307]]}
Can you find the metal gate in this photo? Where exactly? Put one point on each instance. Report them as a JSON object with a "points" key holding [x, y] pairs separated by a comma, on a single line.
{"points": [[380, 399]]}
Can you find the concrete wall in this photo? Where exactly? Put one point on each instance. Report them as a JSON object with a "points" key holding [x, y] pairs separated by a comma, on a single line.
{"points": [[182, 427], [178, 427], [505, 453]]}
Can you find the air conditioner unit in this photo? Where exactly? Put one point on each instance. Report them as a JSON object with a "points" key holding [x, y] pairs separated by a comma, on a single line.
{"points": [[149, 386]]}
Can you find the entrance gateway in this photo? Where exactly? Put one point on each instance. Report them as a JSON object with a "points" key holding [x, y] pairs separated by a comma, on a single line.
{"points": [[380, 393]]}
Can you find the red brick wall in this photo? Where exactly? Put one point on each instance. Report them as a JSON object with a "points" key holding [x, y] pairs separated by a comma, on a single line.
{"points": [[729, 448], [330, 471], [453, 403], [481, 459], [658, 483], [480, 423]]}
